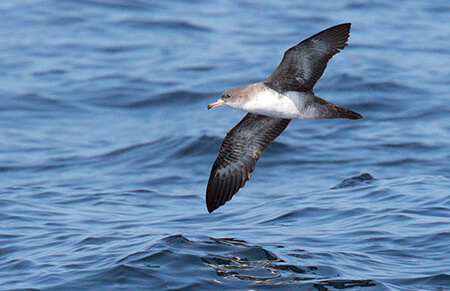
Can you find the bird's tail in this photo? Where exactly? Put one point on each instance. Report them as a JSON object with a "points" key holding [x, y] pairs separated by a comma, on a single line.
{"points": [[327, 109], [347, 113]]}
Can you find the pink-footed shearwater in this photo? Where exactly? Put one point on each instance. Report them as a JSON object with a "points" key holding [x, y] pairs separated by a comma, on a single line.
{"points": [[287, 94]]}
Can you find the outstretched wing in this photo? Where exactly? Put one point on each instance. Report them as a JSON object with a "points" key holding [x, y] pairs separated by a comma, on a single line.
{"points": [[240, 150], [303, 64]]}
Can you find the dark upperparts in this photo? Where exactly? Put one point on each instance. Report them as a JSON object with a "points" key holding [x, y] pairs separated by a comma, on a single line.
{"points": [[303, 64]]}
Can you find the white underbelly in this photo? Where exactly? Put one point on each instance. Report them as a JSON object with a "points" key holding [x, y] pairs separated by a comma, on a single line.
{"points": [[270, 103]]}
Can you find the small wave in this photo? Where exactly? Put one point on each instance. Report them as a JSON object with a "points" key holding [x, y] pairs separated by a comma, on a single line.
{"points": [[120, 275], [197, 146], [33, 102], [166, 24], [121, 5], [235, 263], [353, 181], [121, 97], [439, 282]]}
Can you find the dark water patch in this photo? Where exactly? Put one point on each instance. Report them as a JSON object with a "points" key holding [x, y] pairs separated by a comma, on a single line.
{"points": [[369, 106], [96, 241], [196, 147], [126, 97], [292, 216], [115, 277], [198, 68], [118, 96], [139, 156], [165, 25], [174, 258], [367, 5], [401, 161], [176, 97], [48, 165], [120, 49], [167, 179], [433, 282], [137, 150], [81, 199], [36, 104], [54, 72], [374, 89], [18, 265], [385, 87], [410, 145], [354, 181], [136, 5], [381, 194], [65, 19], [430, 211], [7, 251], [437, 8]]}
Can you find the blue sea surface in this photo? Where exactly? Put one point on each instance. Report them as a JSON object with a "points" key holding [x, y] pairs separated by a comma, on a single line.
{"points": [[106, 147]]}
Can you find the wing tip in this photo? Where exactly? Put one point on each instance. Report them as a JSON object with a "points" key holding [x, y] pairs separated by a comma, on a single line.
{"points": [[336, 36], [211, 207], [344, 26], [218, 196], [212, 199]]}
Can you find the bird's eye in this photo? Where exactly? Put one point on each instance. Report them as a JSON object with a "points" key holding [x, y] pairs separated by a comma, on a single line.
{"points": [[227, 96]]}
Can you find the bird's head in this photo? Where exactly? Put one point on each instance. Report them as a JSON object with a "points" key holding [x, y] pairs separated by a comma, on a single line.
{"points": [[229, 98]]}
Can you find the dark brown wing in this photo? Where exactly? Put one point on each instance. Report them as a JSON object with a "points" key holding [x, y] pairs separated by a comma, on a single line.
{"points": [[304, 64], [240, 150]]}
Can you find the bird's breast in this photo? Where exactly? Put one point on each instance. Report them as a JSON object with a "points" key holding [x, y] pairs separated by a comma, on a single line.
{"points": [[289, 105]]}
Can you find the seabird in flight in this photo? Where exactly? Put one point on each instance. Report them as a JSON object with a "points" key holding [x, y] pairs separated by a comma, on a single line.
{"points": [[287, 94]]}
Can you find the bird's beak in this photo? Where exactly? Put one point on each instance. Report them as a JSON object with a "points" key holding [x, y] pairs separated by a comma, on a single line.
{"points": [[216, 104]]}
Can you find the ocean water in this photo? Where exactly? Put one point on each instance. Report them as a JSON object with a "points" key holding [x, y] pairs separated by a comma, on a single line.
{"points": [[106, 147]]}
